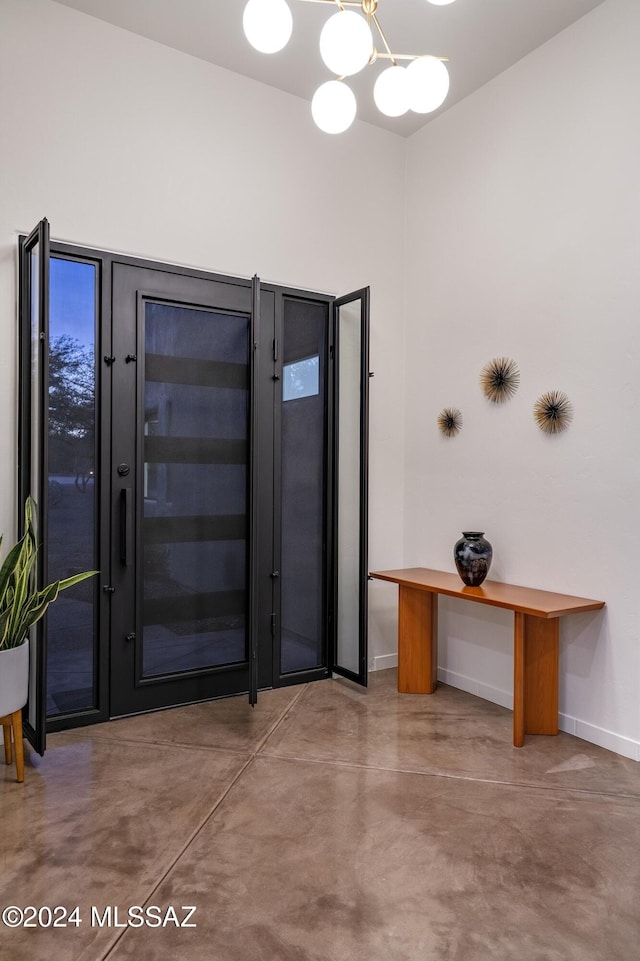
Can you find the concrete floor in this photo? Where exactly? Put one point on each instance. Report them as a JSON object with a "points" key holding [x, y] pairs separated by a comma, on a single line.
{"points": [[327, 824]]}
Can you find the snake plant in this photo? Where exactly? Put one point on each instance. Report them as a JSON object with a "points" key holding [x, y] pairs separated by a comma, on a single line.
{"points": [[21, 603]]}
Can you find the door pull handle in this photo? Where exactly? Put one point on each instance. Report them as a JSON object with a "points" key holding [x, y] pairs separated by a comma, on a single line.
{"points": [[126, 517]]}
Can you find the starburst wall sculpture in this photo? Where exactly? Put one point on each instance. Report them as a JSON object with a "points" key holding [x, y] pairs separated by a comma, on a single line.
{"points": [[553, 412], [500, 379], [450, 421]]}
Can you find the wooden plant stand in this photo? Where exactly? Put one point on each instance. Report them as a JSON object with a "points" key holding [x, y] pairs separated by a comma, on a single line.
{"points": [[13, 722]]}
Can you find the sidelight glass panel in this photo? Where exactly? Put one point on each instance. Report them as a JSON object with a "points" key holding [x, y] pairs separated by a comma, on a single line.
{"points": [[71, 520], [302, 579], [195, 488], [349, 485]]}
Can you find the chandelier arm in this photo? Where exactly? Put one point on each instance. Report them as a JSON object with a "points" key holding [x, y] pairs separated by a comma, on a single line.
{"points": [[374, 17], [341, 3], [411, 56]]}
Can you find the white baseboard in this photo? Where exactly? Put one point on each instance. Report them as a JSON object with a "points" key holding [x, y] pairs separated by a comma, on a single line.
{"points": [[468, 684], [494, 694], [617, 743], [626, 746], [382, 662]]}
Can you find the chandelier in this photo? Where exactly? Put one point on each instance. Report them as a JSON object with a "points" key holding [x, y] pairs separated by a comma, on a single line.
{"points": [[346, 47]]}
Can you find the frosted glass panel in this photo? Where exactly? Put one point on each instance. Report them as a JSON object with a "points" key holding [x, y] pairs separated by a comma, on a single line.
{"points": [[349, 486], [196, 396]]}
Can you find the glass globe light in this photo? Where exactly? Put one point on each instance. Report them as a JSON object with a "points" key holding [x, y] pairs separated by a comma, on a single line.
{"points": [[267, 24], [428, 84], [333, 107], [346, 43], [440, 3], [391, 92]]}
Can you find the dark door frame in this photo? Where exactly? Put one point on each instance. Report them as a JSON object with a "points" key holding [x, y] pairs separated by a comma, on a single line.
{"points": [[34, 322], [104, 262]]}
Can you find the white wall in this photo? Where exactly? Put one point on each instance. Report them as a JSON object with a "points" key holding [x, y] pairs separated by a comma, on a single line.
{"points": [[523, 241], [128, 145]]}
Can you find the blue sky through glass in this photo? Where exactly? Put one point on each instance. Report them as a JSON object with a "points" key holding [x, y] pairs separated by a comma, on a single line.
{"points": [[72, 300], [301, 378]]}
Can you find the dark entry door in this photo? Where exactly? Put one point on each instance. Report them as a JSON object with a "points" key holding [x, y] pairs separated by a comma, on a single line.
{"points": [[192, 445]]}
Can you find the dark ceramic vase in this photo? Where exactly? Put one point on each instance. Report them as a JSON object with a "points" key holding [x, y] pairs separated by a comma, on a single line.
{"points": [[473, 554]]}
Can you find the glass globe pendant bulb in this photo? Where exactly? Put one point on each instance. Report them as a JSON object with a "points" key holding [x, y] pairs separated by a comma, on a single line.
{"points": [[267, 24], [428, 84], [391, 92], [346, 43], [440, 3], [333, 107]]}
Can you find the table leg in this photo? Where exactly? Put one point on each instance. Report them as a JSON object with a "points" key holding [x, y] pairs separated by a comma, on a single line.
{"points": [[417, 641], [535, 676]]}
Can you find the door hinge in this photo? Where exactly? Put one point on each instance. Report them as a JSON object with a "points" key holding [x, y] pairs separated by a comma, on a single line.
{"points": [[108, 589], [273, 625], [275, 348]]}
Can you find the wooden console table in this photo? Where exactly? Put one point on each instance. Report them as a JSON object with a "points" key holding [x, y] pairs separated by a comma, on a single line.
{"points": [[536, 621]]}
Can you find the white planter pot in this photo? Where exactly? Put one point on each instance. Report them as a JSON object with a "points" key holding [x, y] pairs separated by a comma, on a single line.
{"points": [[14, 678]]}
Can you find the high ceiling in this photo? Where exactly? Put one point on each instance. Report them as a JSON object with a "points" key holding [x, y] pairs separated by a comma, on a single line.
{"points": [[482, 38]]}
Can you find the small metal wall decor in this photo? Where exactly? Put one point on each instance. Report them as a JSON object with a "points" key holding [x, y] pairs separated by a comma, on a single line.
{"points": [[450, 421], [500, 379], [553, 411]]}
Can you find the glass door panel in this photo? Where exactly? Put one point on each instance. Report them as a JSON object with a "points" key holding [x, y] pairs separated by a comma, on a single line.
{"points": [[351, 340], [70, 537], [303, 486], [195, 488]]}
